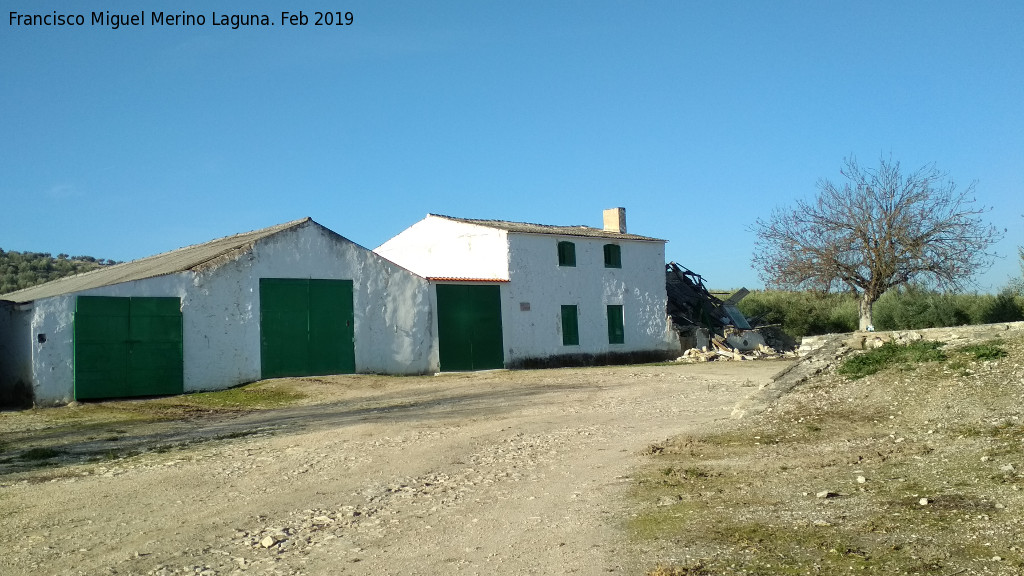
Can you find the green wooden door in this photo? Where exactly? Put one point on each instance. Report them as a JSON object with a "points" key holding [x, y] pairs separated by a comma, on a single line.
{"points": [[155, 358], [331, 327], [307, 327], [127, 347], [284, 327], [101, 347], [469, 327]]}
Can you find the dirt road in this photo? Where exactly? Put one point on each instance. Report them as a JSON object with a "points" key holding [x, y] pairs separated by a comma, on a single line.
{"points": [[521, 472]]}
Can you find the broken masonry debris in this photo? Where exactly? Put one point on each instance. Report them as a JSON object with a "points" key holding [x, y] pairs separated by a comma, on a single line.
{"points": [[710, 328]]}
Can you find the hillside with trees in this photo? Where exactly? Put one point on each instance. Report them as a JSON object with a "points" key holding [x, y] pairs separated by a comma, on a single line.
{"points": [[24, 269]]}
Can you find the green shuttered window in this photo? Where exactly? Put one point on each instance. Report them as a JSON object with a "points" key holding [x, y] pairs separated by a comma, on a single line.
{"points": [[566, 253], [616, 330], [570, 325], [612, 256]]}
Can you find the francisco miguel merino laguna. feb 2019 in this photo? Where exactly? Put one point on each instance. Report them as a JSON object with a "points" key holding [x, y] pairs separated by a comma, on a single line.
{"points": [[234, 21]]}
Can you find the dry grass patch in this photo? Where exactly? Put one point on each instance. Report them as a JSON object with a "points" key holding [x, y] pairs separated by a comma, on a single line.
{"points": [[47, 438], [914, 469]]}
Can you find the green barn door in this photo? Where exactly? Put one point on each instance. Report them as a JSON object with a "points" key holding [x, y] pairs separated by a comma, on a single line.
{"points": [[127, 347], [155, 357], [284, 327], [101, 347], [469, 327], [331, 327], [307, 327]]}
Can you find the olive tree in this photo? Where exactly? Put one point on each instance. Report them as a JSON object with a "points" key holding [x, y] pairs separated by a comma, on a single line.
{"points": [[879, 229]]}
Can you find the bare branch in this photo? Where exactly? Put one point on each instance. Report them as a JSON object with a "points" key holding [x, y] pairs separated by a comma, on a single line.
{"points": [[880, 229]]}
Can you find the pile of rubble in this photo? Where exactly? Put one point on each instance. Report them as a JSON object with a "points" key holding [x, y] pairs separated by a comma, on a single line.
{"points": [[720, 350], [712, 328]]}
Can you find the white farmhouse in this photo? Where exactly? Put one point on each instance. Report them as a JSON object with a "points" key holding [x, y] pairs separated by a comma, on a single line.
{"points": [[291, 300], [513, 294]]}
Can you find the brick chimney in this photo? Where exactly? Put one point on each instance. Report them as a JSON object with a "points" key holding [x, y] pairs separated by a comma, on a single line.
{"points": [[615, 220]]}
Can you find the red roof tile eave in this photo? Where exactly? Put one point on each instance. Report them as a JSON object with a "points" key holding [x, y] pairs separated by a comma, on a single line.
{"points": [[456, 279]]}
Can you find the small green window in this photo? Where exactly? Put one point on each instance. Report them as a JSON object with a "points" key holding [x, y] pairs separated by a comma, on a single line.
{"points": [[570, 325], [566, 254], [612, 256], [616, 331]]}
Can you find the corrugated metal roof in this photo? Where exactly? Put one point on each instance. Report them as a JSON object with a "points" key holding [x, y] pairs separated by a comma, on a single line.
{"points": [[528, 228], [196, 257]]}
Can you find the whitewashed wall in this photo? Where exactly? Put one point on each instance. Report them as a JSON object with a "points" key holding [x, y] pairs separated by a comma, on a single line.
{"points": [[53, 360], [536, 279], [439, 247], [220, 313]]}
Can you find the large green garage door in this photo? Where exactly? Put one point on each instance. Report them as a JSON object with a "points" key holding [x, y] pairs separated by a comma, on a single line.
{"points": [[469, 327], [127, 347], [306, 327]]}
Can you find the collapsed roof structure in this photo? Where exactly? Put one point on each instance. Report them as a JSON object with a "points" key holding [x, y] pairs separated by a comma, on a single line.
{"points": [[705, 322], [691, 304]]}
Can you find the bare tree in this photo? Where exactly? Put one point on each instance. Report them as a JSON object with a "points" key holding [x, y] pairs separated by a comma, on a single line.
{"points": [[878, 230], [1017, 284]]}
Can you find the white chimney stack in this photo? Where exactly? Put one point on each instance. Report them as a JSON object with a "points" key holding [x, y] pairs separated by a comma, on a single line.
{"points": [[615, 220]]}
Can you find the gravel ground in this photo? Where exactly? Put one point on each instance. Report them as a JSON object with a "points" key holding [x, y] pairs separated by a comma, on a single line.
{"points": [[916, 469], [506, 472]]}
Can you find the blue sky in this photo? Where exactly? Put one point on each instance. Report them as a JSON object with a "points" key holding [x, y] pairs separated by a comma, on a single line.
{"points": [[696, 117]]}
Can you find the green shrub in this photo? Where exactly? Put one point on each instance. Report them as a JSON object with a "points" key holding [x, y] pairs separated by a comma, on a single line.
{"points": [[890, 354], [990, 350], [1007, 306], [908, 308], [912, 308], [802, 313]]}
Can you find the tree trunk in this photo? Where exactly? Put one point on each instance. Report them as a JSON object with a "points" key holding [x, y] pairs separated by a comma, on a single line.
{"points": [[865, 312]]}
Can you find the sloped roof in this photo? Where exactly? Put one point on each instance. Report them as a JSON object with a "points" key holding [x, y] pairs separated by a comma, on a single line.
{"points": [[528, 228], [196, 257]]}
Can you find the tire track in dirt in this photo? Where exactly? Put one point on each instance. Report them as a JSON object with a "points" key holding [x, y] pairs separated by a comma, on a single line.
{"points": [[521, 472]]}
